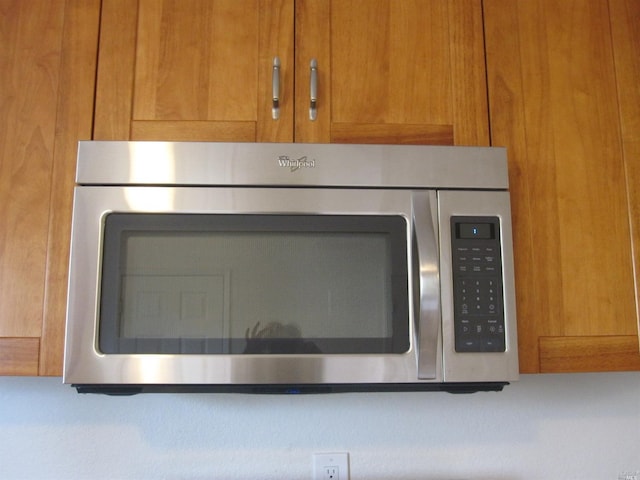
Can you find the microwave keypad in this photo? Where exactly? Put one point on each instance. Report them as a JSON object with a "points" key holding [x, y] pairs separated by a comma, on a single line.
{"points": [[477, 284]]}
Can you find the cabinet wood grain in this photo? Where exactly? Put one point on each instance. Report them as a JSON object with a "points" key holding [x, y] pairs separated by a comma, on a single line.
{"points": [[29, 58], [74, 113], [388, 72], [625, 18], [553, 103], [193, 70], [589, 354], [19, 356], [392, 72], [48, 66]]}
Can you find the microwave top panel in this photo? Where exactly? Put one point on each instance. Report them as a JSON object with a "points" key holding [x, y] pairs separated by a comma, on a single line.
{"points": [[291, 164]]}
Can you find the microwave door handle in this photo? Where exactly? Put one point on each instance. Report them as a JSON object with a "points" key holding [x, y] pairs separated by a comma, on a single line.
{"points": [[428, 281]]}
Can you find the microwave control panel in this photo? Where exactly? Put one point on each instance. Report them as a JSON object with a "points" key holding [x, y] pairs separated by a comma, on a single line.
{"points": [[477, 284]]}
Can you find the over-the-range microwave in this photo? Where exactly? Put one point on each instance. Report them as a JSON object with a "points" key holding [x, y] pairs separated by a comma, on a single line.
{"points": [[290, 268]]}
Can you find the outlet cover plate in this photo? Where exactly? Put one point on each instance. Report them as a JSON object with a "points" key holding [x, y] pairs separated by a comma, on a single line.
{"points": [[331, 466]]}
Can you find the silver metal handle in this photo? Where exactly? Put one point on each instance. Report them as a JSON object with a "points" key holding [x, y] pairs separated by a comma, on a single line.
{"points": [[313, 89], [275, 88], [427, 311]]}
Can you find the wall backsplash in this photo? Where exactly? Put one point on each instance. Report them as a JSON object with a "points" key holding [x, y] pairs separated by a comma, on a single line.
{"points": [[583, 426]]}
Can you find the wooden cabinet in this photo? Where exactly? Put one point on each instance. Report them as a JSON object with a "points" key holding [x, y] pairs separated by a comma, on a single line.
{"points": [[47, 55], [625, 18], [388, 72], [392, 72], [193, 70], [563, 97], [26, 143]]}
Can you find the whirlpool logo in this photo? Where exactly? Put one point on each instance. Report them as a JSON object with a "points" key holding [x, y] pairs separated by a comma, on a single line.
{"points": [[295, 164]]}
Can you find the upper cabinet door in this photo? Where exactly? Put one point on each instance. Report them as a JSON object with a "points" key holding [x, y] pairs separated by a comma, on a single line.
{"points": [[47, 54], [560, 76], [194, 70], [391, 72], [384, 71]]}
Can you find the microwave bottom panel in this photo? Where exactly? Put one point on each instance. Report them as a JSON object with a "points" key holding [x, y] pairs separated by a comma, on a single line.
{"points": [[122, 390]]}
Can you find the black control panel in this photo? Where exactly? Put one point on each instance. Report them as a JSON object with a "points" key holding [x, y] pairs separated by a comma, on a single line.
{"points": [[477, 284]]}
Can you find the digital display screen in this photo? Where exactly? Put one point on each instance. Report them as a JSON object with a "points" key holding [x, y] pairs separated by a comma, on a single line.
{"points": [[475, 230]]}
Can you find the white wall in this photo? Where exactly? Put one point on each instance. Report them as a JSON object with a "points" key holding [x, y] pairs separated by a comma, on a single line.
{"points": [[543, 427]]}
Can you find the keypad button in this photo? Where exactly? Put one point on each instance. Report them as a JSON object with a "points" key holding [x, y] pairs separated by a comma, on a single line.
{"points": [[468, 344], [492, 344]]}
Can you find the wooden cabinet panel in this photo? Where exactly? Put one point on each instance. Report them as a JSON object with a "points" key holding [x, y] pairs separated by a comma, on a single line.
{"points": [[392, 72], [114, 89], [589, 354], [201, 70], [553, 103], [276, 38], [313, 41], [188, 60], [625, 18], [74, 114], [45, 108], [29, 56], [192, 69], [389, 62], [19, 356]]}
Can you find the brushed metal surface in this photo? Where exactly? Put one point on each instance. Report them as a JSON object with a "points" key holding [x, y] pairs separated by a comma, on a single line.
{"points": [[425, 185], [428, 308], [85, 364], [480, 366], [275, 89], [291, 164]]}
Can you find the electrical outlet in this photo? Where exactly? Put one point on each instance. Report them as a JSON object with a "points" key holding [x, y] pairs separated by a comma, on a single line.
{"points": [[330, 472], [330, 466]]}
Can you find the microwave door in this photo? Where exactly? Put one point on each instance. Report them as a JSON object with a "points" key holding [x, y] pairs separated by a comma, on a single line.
{"points": [[265, 267]]}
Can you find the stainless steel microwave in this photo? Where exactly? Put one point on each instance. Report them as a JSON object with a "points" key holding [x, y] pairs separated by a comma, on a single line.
{"points": [[290, 268]]}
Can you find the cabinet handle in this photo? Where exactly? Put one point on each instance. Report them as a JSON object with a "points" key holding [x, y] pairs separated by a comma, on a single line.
{"points": [[275, 89], [313, 105]]}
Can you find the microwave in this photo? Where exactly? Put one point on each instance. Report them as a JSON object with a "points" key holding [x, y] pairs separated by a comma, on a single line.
{"points": [[290, 268]]}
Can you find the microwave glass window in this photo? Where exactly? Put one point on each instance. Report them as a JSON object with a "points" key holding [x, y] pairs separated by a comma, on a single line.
{"points": [[254, 284]]}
